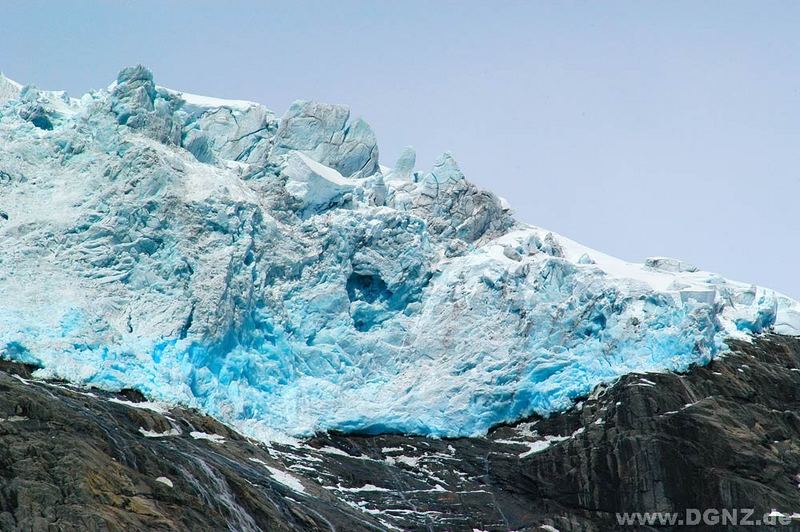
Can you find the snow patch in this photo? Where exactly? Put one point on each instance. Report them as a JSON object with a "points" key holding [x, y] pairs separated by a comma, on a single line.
{"points": [[365, 487], [209, 102], [165, 481], [287, 480], [159, 408], [13, 419], [282, 477], [213, 438], [152, 434], [385, 450]]}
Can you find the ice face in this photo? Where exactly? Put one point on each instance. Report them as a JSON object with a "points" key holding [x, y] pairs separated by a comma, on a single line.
{"points": [[325, 133], [271, 273], [8, 89]]}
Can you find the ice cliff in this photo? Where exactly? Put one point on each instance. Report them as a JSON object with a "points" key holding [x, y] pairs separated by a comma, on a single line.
{"points": [[271, 273]]}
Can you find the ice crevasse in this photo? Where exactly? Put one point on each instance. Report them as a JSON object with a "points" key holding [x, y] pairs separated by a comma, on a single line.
{"points": [[271, 272]]}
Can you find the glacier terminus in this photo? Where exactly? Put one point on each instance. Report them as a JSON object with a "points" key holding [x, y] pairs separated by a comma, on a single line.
{"points": [[271, 272]]}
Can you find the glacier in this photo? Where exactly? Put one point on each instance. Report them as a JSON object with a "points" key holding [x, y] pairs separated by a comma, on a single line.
{"points": [[271, 272]]}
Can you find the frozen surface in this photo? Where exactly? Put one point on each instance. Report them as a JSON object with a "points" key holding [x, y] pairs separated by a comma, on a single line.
{"points": [[270, 272], [164, 480], [9, 89]]}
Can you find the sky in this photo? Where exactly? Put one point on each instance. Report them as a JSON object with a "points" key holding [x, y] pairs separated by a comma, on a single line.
{"points": [[637, 128]]}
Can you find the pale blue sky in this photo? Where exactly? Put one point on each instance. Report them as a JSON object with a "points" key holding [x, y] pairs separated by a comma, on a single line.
{"points": [[638, 128]]}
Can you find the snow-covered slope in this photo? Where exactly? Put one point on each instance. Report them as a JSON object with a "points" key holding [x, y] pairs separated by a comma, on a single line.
{"points": [[270, 272]]}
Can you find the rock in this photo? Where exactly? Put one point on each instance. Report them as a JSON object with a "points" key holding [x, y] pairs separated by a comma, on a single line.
{"points": [[133, 395], [78, 461]]}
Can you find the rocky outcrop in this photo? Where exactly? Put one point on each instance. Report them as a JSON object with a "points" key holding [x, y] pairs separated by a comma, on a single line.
{"points": [[74, 459], [724, 436]]}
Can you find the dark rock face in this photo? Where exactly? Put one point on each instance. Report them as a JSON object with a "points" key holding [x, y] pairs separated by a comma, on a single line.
{"points": [[724, 436], [74, 459]]}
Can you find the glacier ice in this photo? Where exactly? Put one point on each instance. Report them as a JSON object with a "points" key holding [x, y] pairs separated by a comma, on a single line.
{"points": [[9, 89], [316, 186], [270, 272], [325, 133]]}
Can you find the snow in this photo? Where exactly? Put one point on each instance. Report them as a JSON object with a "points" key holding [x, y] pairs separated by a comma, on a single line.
{"points": [[411, 461], [165, 481], [271, 274], [385, 450], [332, 450], [365, 487], [282, 476], [9, 89], [287, 480], [315, 185], [158, 408], [210, 102], [13, 419], [152, 434], [213, 438], [24, 381], [10, 81], [328, 174], [541, 445]]}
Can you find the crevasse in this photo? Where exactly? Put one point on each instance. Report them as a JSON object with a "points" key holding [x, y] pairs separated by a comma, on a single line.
{"points": [[273, 274]]}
